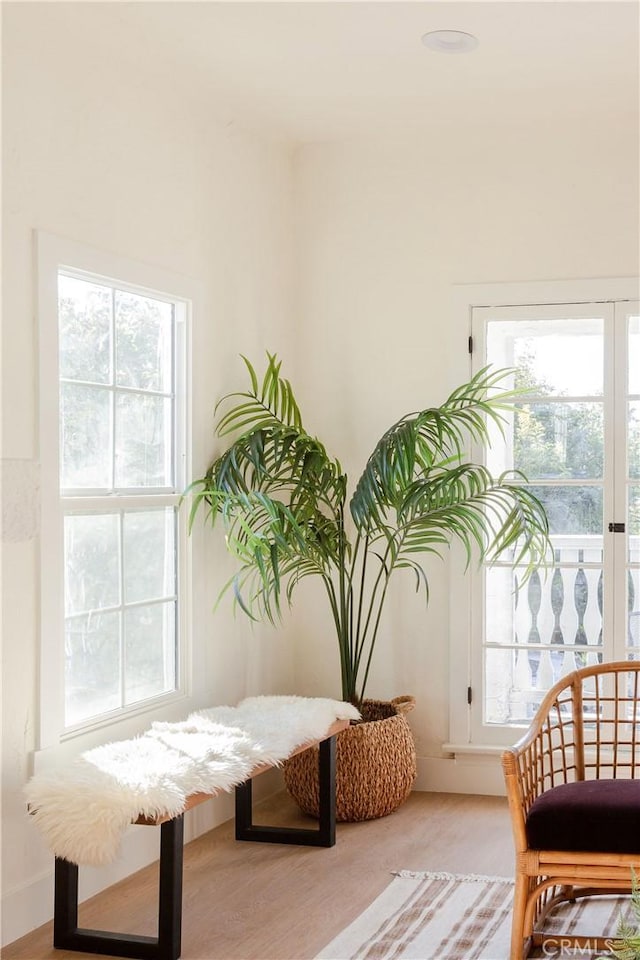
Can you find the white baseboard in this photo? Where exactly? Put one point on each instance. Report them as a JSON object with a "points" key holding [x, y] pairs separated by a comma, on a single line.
{"points": [[28, 906], [464, 774]]}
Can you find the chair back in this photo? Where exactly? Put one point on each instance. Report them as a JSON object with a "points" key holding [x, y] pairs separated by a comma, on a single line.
{"points": [[610, 720], [587, 727]]}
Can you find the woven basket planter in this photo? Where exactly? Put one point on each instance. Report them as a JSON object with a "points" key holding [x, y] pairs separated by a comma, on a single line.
{"points": [[375, 764]]}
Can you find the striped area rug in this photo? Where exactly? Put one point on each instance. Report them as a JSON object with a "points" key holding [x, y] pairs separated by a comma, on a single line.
{"points": [[441, 916]]}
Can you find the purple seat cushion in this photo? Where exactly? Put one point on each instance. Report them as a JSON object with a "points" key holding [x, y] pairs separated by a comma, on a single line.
{"points": [[597, 816]]}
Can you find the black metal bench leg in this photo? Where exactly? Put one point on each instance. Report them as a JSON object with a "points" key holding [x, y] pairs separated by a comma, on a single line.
{"points": [[170, 890], [324, 836], [166, 946], [327, 791], [65, 908]]}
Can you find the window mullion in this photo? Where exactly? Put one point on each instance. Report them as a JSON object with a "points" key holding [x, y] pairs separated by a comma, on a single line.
{"points": [[627, 599], [173, 422], [113, 391], [123, 665], [104, 502]]}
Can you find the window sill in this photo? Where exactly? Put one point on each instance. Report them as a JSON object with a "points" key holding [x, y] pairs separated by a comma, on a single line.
{"points": [[72, 744]]}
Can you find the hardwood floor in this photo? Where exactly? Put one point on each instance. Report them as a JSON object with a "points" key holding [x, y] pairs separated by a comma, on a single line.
{"points": [[253, 901]]}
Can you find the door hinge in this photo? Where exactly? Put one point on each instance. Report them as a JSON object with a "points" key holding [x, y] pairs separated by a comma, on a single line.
{"points": [[470, 344], [616, 528], [469, 695]]}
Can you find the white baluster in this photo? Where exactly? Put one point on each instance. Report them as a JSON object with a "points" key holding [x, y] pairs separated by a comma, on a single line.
{"points": [[522, 674], [545, 672], [568, 663]]}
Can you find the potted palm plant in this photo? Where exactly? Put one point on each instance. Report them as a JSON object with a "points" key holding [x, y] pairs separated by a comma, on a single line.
{"points": [[284, 505]]}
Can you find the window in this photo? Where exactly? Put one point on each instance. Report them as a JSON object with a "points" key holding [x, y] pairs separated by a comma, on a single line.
{"points": [[575, 434], [113, 424]]}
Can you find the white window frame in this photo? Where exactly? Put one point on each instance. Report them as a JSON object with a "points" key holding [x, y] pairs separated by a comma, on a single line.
{"points": [[466, 735], [53, 255]]}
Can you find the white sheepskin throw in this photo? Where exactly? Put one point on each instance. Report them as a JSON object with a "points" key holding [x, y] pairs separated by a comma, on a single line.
{"points": [[84, 808]]}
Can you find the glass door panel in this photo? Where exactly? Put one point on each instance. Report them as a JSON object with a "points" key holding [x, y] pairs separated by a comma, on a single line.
{"points": [[538, 630]]}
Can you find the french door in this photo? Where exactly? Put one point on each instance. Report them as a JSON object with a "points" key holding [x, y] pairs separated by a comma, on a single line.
{"points": [[575, 434]]}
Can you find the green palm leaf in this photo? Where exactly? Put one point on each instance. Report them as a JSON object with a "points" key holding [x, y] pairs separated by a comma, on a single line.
{"points": [[420, 442], [281, 500]]}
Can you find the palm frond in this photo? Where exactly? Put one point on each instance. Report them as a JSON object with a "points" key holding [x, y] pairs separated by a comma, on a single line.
{"points": [[424, 441], [283, 464], [270, 403], [281, 500], [488, 515], [274, 550]]}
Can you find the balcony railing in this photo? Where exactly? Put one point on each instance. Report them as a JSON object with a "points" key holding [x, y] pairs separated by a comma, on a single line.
{"points": [[552, 624]]}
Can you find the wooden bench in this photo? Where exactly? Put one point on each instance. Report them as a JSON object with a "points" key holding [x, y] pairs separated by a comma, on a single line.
{"points": [[167, 945]]}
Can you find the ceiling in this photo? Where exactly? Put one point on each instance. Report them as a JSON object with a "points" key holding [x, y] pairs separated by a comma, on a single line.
{"points": [[309, 71]]}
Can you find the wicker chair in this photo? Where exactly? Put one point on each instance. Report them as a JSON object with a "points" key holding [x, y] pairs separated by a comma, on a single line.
{"points": [[574, 799]]}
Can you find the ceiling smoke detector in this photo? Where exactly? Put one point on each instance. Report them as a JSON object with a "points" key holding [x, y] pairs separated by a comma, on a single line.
{"points": [[450, 41]]}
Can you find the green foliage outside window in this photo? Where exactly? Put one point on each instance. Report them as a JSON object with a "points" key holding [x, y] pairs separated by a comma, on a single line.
{"points": [[559, 441]]}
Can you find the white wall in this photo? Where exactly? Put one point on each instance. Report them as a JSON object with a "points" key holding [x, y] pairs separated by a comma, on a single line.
{"points": [[96, 154], [384, 230]]}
